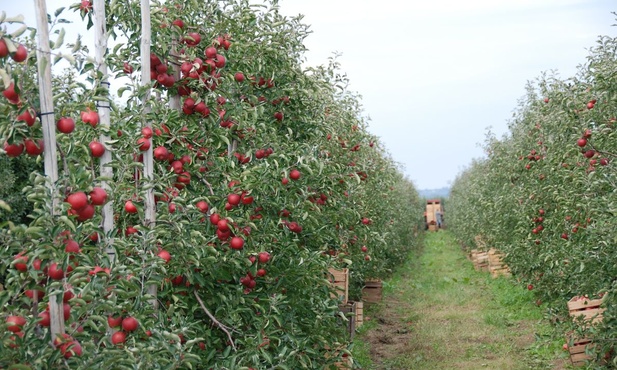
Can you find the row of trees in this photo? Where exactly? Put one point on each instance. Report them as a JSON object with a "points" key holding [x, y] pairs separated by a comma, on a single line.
{"points": [[194, 215], [545, 193]]}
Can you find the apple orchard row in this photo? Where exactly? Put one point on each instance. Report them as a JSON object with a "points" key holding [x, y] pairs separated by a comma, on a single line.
{"points": [[262, 176]]}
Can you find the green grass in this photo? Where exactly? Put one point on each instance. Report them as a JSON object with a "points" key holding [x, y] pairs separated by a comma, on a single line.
{"points": [[439, 313]]}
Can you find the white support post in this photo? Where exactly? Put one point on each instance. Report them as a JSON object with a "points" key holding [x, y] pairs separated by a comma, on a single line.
{"points": [[150, 215], [104, 110], [49, 138]]}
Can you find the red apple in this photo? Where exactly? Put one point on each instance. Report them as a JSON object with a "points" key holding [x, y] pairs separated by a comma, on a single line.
{"points": [[202, 109], [130, 324], [44, 319], [15, 323], [178, 23], [10, 94], [130, 207], [77, 200], [28, 117], [264, 257], [233, 199], [85, 213], [13, 150], [118, 337], [65, 125], [220, 61], [55, 272], [192, 39], [71, 246], [127, 68], [202, 206], [90, 117], [72, 348], [4, 50], [20, 54], [21, 262], [98, 196], [294, 174], [222, 225], [236, 243], [96, 149], [146, 132], [32, 148], [211, 52], [144, 144], [114, 321], [164, 255], [160, 153]]}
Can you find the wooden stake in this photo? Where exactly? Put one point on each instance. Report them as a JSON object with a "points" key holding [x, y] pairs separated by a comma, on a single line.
{"points": [[49, 138], [104, 110], [150, 215]]}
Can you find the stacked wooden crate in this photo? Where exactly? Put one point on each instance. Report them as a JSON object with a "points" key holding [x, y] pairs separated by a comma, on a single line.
{"points": [[480, 260], [587, 312], [359, 314], [339, 278], [496, 266], [372, 291], [479, 255], [349, 310]]}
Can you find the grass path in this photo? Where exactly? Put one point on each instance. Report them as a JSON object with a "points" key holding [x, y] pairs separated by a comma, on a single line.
{"points": [[439, 313]]}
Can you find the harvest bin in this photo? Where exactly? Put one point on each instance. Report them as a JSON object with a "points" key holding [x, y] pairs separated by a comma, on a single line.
{"points": [[577, 348], [340, 282], [479, 259], [372, 291], [349, 310], [359, 314], [587, 312], [496, 265]]}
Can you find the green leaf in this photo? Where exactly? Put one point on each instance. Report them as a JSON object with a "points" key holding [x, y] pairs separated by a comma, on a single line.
{"points": [[4, 205], [60, 40], [65, 220], [58, 12], [18, 32], [15, 19]]}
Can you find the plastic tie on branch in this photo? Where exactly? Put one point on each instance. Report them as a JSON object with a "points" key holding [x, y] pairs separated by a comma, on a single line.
{"points": [[41, 114]]}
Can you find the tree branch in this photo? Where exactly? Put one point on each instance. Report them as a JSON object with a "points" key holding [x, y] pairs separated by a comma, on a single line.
{"points": [[215, 321], [208, 184]]}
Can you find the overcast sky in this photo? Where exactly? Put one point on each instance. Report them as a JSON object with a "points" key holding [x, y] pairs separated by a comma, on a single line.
{"points": [[434, 75]]}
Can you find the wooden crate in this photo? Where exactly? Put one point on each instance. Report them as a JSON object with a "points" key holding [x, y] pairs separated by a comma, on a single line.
{"points": [[588, 310], [372, 291], [359, 314], [496, 266], [480, 262], [340, 282], [576, 348], [432, 227], [349, 310]]}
